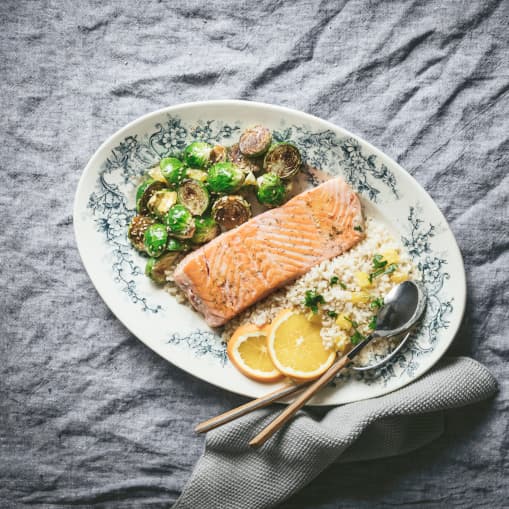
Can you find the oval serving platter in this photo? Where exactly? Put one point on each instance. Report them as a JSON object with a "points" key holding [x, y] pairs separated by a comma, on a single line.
{"points": [[104, 205]]}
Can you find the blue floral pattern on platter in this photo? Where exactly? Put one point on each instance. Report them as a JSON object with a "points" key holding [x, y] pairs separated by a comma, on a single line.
{"points": [[128, 161]]}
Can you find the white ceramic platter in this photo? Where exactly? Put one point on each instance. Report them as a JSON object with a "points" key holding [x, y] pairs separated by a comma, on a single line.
{"points": [[104, 205]]}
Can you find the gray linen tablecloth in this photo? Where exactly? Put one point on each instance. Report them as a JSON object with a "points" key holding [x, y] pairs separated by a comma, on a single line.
{"points": [[88, 415]]}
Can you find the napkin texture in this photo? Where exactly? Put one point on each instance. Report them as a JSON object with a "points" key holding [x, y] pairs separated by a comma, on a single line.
{"points": [[233, 475]]}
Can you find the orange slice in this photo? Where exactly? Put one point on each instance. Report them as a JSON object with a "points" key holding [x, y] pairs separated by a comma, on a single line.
{"points": [[296, 348], [247, 349]]}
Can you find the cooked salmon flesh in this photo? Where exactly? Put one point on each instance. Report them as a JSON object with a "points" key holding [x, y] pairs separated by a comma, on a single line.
{"points": [[244, 265]]}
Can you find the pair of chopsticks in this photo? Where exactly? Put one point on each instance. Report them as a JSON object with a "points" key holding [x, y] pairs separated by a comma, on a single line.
{"points": [[309, 388]]}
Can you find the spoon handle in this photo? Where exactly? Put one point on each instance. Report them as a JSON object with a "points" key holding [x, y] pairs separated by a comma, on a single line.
{"points": [[291, 409]]}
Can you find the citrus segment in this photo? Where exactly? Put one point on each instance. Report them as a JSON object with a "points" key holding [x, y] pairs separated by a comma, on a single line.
{"points": [[247, 350], [296, 347]]}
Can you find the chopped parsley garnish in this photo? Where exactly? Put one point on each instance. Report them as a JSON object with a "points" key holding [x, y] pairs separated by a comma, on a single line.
{"points": [[357, 228], [376, 303], [312, 299], [334, 280], [332, 313], [342, 285], [357, 337], [372, 323], [381, 267]]}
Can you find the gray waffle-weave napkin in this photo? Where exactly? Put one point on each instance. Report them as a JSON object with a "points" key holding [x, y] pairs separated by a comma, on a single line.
{"points": [[232, 475]]}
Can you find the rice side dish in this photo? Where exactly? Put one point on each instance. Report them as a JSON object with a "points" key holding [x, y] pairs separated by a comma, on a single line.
{"points": [[346, 298]]}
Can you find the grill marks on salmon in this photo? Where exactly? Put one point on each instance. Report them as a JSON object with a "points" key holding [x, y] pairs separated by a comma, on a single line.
{"points": [[244, 265]]}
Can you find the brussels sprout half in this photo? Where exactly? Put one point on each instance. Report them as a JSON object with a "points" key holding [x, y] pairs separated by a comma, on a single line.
{"points": [[161, 202], [218, 154], [136, 231], [255, 141], [173, 170], [180, 222], [271, 190], [156, 268], [176, 245], [225, 178], [244, 163], [196, 155], [145, 191], [155, 239], [194, 196], [283, 159], [206, 230], [231, 211]]}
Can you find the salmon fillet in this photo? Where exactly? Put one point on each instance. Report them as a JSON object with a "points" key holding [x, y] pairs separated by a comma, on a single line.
{"points": [[245, 264]]}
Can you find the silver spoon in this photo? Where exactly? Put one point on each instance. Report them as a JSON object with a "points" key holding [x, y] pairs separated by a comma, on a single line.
{"points": [[403, 306], [401, 299]]}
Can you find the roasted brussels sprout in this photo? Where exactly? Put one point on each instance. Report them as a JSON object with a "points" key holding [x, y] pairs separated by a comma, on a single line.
{"points": [[218, 154], [206, 230], [196, 155], [225, 178], [244, 163], [155, 173], [177, 245], [283, 159], [157, 268], [161, 202], [173, 170], [194, 196], [180, 222], [144, 192], [271, 190], [255, 141], [231, 211], [155, 239], [199, 175], [136, 231]]}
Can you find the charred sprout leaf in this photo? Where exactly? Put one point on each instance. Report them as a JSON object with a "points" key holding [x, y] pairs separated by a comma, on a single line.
{"points": [[372, 323], [218, 154], [136, 231], [271, 190], [173, 170], [255, 141], [225, 178], [206, 230], [194, 196], [283, 159], [231, 211], [157, 268], [246, 164], [199, 175], [196, 155], [176, 245], [312, 299], [144, 192], [155, 239], [180, 222], [161, 202]]}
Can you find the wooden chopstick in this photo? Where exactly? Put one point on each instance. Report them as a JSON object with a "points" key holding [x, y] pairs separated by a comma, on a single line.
{"points": [[250, 406], [291, 409]]}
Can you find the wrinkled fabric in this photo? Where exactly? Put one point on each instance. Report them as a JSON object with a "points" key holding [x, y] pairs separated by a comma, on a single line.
{"points": [[233, 475], [88, 415]]}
